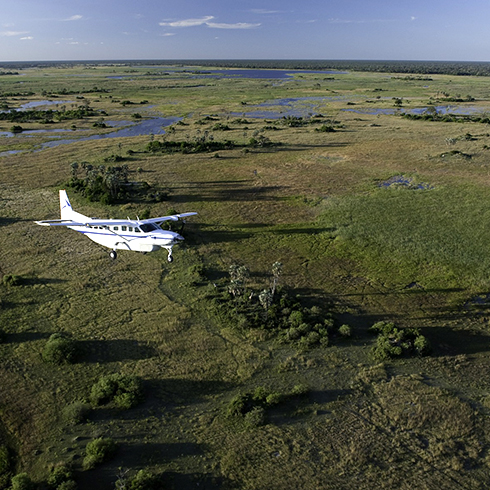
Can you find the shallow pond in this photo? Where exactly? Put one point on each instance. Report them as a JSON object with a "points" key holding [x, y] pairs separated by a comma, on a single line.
{"points": [[441, 110], [234, 73], [154, 125]]}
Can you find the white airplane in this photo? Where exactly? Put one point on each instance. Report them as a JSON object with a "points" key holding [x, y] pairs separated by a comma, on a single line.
{"points": [[137, 235]]}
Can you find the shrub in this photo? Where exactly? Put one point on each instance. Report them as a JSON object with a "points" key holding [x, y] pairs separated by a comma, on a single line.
{"points": [[422, 345], [76, 412], [144, 480], [256, 417], [22, 482], [59, 475], [345, 330], [60, 349], [11, 280], [98, 451], [125, 391], [67, 485]]}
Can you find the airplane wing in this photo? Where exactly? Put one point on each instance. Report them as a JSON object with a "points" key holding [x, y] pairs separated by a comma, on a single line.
{"points": [[60, 222], [111, 222], [173, 217]]}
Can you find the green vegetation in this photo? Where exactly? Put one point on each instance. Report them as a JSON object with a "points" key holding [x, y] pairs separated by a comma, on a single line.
{"points": [[98, 451], [325, 322], [60, 349], [125, 391]]}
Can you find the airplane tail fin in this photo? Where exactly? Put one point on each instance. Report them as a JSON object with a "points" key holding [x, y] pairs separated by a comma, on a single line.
{"points": [[67, 212]]}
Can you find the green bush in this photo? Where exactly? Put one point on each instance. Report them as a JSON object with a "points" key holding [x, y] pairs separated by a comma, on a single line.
{"points": [[422, 345], [395, 342], [76, 412], [144, 480], [22, 482], [345, 330], [59, 475], [256, 417], [60, 349], [98, 451], [67, 485], [124, 390], [11, 280]]}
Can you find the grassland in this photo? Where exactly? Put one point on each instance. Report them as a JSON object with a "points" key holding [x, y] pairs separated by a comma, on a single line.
{"points": [[413, 254]]}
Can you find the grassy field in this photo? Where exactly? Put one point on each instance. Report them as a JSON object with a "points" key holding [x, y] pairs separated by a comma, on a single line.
{"points": [[381, 219]]}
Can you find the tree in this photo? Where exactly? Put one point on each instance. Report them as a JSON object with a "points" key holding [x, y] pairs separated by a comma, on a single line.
{"points": [[276, 273]]}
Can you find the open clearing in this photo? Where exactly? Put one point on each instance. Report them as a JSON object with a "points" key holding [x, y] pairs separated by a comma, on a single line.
{"points": [[374, 217]]}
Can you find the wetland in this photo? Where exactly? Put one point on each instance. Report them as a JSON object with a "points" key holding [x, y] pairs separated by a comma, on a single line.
{"points": [[325, 324]]}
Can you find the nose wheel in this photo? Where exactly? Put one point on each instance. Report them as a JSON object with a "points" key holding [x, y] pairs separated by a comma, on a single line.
{"points": [[113, 255]]}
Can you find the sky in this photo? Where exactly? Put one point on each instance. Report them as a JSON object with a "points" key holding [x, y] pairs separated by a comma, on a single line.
{"points": [[47, 30]]}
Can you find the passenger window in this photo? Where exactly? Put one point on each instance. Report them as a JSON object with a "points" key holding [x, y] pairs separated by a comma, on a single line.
{"points": [[130, 228], [124, 228], [116, 228], [137, 230]]}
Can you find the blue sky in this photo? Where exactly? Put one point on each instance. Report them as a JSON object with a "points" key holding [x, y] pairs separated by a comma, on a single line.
{"points": [[245, 29]]}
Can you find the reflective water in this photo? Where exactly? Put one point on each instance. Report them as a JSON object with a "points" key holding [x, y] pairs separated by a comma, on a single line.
{"points": [[406, 182], [234, 73], [155, 125], [441, 110]]}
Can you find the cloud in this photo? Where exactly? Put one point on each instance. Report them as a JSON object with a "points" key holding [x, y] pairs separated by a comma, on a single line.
{"points": [[13, 33], [413, 18], [27, 38], [264, 11], [206, 21], [166, 34], [74, 17], [239, 25], [188, 22]]}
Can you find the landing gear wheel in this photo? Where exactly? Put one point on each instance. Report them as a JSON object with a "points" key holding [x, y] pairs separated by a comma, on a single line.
{"points": [[113, 255], [170, 258]]}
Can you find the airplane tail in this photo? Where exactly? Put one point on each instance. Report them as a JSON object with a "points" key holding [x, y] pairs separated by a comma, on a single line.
{"points": [[67, 212]]}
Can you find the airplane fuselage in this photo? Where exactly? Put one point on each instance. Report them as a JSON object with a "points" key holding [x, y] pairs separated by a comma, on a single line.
{"points": [[132, 235]]}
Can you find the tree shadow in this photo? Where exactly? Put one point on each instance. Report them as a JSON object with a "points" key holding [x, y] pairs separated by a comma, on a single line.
{"points": [[20, 337], [447, 341], [290, 411], [104, 351], [174, 392], [44, 281], [138, 456]]}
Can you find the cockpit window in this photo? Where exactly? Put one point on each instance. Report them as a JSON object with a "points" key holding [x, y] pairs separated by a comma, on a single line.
{"points": [[147, 227]]}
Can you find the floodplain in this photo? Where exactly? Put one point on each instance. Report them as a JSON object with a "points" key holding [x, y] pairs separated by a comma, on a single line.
{"points": [[372, 217]]}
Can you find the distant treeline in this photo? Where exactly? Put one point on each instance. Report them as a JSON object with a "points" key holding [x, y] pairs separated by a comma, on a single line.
{"points": [[478, 68]]}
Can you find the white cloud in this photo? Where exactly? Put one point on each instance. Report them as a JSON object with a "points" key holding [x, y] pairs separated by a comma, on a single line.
{"points": [[239, 25], [413, 18], [27, 38], [188, 22], [167, 34], [206, 21], [74, 17], [13, 33]]}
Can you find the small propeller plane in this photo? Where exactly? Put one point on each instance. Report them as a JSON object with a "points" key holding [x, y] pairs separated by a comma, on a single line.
{"points": [[118, 234]]}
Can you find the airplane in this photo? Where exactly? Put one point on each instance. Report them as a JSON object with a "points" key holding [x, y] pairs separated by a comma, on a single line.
{"points": [[118, 234]]}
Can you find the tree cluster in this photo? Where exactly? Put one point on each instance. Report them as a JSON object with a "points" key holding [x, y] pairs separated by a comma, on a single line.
{"points": [[100, 183]]}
